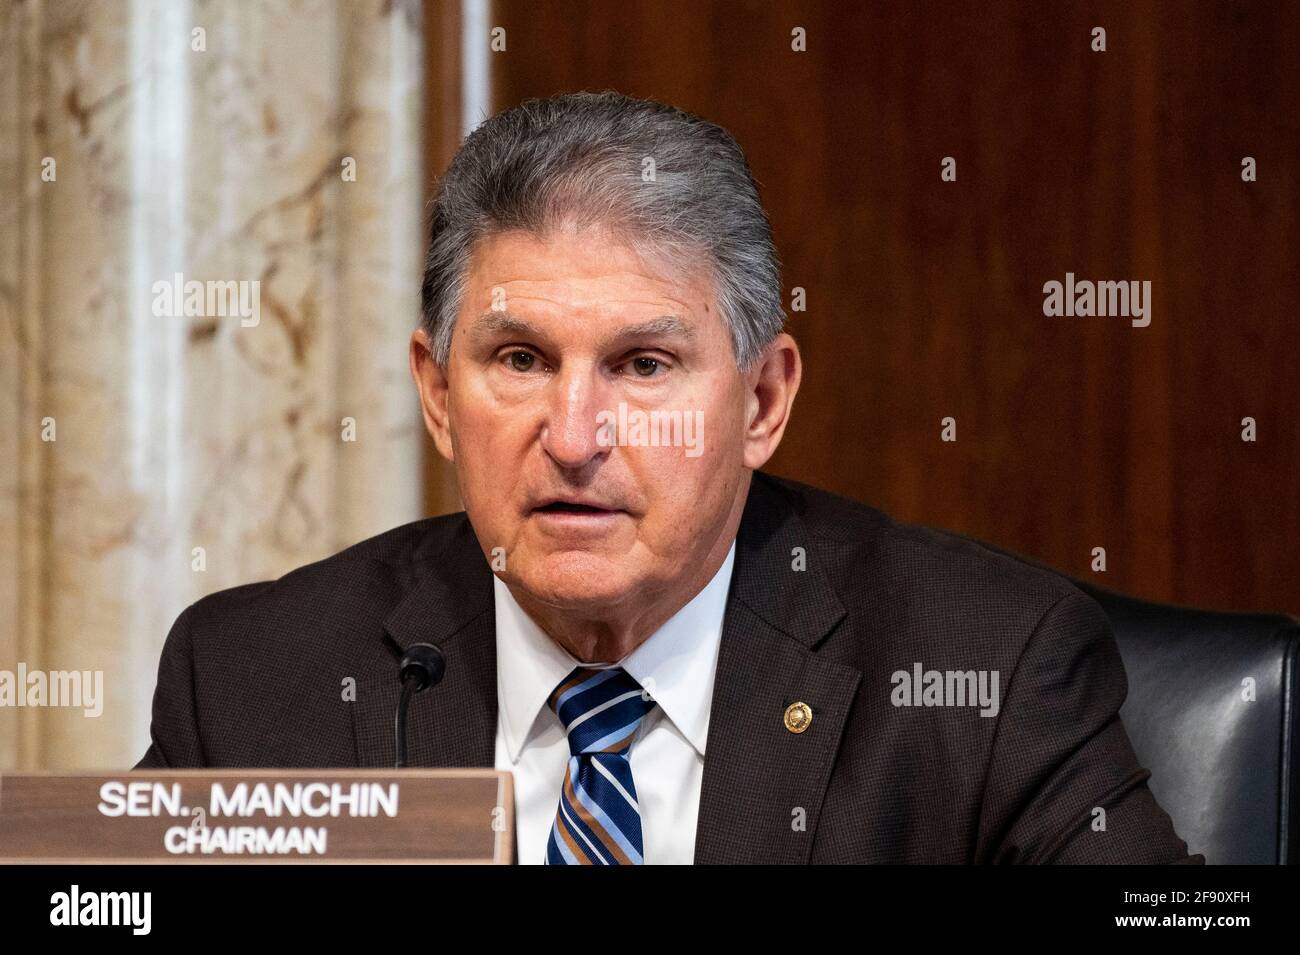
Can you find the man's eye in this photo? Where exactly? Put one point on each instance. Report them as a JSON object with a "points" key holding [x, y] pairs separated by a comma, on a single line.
{"points": [[644, 366], [521, 360]]}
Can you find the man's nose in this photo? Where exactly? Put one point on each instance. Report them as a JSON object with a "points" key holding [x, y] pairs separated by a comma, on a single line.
{"points": [[570, 433]]}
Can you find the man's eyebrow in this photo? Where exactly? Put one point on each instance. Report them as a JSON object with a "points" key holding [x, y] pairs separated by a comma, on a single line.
{"points": [[666, 325], [493, 322], [502, 322]]}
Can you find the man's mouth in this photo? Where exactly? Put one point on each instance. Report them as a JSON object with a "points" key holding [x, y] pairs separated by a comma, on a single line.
{"points": [[569, 515], [567, 507]]}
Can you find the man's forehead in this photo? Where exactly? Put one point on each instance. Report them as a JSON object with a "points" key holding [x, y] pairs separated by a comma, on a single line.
{"points": [[591, 270]]}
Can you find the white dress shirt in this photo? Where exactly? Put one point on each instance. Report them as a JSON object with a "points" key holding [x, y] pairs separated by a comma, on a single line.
{"points": [[676, 665]]}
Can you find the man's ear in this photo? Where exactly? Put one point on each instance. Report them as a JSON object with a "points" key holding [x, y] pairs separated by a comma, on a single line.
{"points": [[431, 381], [772, 384]]}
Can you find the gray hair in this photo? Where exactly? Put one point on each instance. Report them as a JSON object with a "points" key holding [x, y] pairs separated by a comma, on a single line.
{"points": [[585, 157]]}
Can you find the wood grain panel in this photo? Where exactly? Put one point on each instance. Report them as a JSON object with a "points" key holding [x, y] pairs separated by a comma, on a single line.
{"points": [[925, 297]]}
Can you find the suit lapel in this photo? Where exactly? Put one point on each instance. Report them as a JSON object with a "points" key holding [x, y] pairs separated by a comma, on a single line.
{"points": [[450, 605], [763, 785]]}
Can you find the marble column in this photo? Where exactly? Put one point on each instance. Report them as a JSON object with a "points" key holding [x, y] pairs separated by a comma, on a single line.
{"points": [[149, 455]]}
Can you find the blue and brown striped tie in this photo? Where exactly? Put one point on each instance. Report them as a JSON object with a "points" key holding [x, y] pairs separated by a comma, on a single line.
{"points": [[599, 821]]}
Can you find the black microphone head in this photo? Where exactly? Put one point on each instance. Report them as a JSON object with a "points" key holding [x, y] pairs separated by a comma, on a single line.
{"points": [[423, 663]]}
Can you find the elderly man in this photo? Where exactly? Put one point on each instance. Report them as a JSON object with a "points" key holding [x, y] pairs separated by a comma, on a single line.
{"points": [[678, 658]]}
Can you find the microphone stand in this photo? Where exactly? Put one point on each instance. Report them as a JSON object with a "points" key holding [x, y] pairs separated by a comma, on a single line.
{"points": [[422, 666]]}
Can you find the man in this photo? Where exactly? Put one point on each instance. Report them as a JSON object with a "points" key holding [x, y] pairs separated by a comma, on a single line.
{"points": [[679, 657]]}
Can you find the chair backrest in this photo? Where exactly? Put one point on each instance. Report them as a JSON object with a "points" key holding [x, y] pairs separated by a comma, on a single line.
{"points": [[1213, 713]]}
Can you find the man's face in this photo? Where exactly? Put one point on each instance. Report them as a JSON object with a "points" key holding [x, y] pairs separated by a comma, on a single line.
{"points": [[559, 343]]}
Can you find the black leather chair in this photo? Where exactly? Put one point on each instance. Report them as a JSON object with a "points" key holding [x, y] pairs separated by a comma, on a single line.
{"points": [[1225, 768], [1212, 712]]}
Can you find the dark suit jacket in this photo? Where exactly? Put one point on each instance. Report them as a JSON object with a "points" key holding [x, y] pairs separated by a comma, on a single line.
{"points": [[254, 677]]}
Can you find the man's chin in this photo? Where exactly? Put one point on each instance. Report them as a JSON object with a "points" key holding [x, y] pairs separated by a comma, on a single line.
{"points": [[574, 580]]}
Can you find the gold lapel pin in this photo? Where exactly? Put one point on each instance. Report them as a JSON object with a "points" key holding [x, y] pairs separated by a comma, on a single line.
{"points": [[798, 717]]}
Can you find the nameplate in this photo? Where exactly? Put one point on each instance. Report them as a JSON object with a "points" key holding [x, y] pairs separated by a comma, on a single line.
{"points": [[219, 815]]}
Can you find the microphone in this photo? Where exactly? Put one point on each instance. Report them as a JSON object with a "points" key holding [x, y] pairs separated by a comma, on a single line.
{"points": [[422, 666]]}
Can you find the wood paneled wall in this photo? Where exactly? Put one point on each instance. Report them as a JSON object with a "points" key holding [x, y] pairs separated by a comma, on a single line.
{"points": [[925, 297]]}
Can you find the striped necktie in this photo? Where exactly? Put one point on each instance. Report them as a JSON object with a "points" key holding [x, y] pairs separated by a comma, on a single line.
{"points": [[599, 821]]}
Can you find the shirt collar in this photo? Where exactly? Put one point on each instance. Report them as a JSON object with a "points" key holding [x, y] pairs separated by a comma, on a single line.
{"points": [[676, 664]]}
